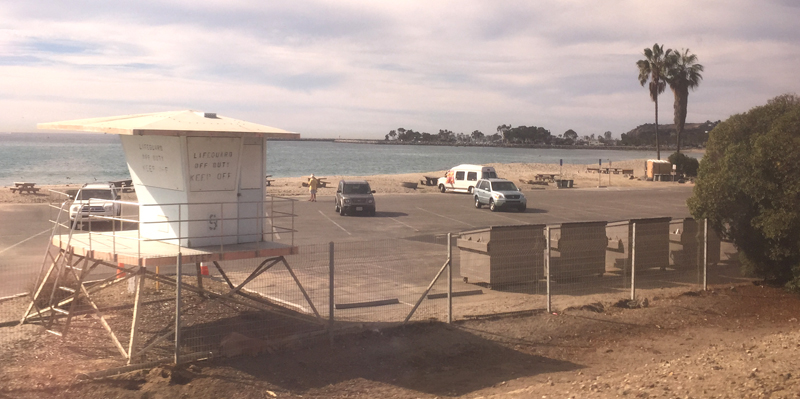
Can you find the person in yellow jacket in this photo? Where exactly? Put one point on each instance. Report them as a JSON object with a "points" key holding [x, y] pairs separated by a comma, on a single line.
{"points": [[313, 183]]}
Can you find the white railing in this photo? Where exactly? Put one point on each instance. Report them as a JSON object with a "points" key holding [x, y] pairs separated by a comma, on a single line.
{"points": [[276, 221]]}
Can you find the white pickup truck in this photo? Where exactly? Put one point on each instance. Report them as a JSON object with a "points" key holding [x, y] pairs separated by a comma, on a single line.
{"points": [[96, 199]]}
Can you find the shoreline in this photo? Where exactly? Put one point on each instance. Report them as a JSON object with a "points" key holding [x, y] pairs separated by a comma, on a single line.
{"points": [[392, 183], [670, 150]]}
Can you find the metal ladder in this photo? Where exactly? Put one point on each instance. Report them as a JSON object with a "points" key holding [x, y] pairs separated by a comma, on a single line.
{"points": [[62, 266]]}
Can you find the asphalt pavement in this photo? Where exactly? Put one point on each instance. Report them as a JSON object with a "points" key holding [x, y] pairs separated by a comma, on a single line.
{"points": [[25, 228]]}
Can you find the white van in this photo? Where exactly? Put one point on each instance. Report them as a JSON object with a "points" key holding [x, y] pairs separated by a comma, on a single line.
{"points": [[463, 178]]}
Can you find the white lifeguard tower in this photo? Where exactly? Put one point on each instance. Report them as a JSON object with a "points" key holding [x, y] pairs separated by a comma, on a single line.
{"points": [[198, 160], [200, 182]]}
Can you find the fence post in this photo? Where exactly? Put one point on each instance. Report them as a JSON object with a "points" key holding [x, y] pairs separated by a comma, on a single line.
{"points": [[449, 278], [547, 266], [178, 308], [330, 291], [292, 222], [705, 254], [272, 217], [633, 264]]}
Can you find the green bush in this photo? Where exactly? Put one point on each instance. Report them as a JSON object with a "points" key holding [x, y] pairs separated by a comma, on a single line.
{"points": [[749, 187], [685, 165]]}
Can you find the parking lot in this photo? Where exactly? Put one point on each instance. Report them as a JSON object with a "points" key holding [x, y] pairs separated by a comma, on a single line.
{"points": [[26, 229], [403, 215]]}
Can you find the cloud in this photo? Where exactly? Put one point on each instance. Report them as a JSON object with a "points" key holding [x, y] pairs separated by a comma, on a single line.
{"points": [[361, 68]]}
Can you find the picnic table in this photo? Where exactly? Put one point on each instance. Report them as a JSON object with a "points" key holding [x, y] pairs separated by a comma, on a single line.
{"points": [[122, 183], [550, 177], [429, 180], [323, 182], [24, 187], [609, 170], [269, 181], [125, 185]]}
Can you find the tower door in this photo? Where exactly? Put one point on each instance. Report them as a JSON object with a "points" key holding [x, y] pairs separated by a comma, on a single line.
{"points": [[251, 190]]}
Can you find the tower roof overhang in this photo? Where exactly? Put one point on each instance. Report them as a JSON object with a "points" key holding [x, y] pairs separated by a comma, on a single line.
{"points": [[172, 123]]}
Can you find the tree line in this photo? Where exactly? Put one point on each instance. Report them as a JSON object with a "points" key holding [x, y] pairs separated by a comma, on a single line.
{"points": [[505, 134], [660, 68]]}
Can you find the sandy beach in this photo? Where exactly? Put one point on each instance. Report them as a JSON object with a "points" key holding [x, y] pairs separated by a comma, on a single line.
{"points": [[391, 184]]}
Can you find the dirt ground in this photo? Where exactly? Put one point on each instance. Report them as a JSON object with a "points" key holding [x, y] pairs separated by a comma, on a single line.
{"points": [[738, 341]]}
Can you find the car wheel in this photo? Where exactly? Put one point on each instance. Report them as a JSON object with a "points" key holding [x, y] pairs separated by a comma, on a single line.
{"points": [[477, 202], [336, 206], [470, 189], [342, 212], [492, 206], [372, 212], [442, 188], [522, 208]]}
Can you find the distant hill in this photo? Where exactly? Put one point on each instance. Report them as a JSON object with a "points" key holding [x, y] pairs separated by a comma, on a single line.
{"points": [[693, 135]]}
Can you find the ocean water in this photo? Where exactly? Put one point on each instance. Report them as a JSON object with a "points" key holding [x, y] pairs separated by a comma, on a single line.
{"points": [[77, 158]]}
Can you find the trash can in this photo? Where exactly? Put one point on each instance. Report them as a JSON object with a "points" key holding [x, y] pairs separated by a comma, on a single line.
{"points": [[652, 243], [500, 255], [690, 239], [580, 250], [564, 183]]}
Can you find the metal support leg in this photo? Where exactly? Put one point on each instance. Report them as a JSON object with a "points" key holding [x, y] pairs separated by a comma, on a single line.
{"points": [[547, 265], [136, 312], [178, 309], [705, 255], [449, 279], [633, 264], [331, 296]]}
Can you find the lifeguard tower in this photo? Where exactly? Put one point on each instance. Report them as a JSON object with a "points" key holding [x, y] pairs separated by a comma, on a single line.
{"points": [[200, 182]]}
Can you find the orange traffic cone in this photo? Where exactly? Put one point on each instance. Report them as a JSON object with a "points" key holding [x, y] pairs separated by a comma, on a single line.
{"points": [[203, 269], [120, 270]]}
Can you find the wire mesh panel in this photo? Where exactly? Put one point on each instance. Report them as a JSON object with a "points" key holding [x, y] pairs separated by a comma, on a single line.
{"points": [[651, 243], [264, 302], [667, 253], [503, 256], [107, 309], [587, 263], [502, 268], [381, 281], [18, 282]]}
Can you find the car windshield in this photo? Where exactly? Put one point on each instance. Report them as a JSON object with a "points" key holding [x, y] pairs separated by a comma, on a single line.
{"points": [[503, 186], [356, 189], [84, 195]]}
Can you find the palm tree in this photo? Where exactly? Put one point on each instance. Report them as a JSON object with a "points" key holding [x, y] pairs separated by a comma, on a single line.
{"points": [[654, 68], [683, 73]]}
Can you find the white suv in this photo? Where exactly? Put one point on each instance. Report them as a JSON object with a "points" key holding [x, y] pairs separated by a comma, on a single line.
{"points": [[499, 193], [94, 200]]}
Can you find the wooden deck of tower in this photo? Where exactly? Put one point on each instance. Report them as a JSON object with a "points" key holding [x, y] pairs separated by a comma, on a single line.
{"points": [[125, 247]]}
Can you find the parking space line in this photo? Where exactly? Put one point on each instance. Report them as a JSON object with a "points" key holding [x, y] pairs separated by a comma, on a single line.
{"points": [[455, 220], [404, 224], [337, 224], [29, 238], [510, 218], [573, 211], [274, 229]]}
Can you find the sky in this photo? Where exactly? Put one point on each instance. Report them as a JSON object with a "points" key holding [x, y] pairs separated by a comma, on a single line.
{"points": [[358, 69]]}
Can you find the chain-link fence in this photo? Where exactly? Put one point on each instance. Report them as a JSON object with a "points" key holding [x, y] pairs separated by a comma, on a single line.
{"points": [[233, 307]]}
